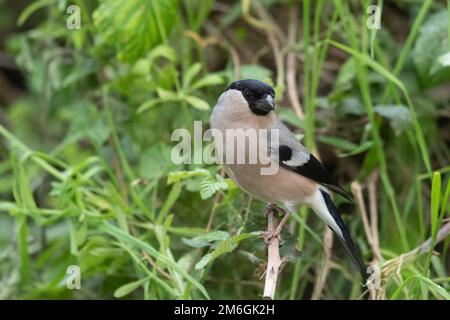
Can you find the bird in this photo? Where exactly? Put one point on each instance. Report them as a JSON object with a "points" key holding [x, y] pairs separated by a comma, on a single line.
{"points": [[300, 179]]}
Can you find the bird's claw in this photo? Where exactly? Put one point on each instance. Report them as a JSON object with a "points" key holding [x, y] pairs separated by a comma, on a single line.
{"points": [[273, 207]]}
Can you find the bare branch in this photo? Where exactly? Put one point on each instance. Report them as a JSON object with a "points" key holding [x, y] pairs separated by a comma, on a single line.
{"points": [[274, 260]]}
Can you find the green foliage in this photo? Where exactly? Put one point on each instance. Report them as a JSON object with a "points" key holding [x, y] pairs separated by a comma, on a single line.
{"points": [[430, 49], [134, 26], [86, 176]]}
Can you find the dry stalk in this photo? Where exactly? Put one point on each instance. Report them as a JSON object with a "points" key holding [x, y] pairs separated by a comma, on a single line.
{"points": [[371, 230], [291, 62], [394, 266], [274, 260], [325, 269]]}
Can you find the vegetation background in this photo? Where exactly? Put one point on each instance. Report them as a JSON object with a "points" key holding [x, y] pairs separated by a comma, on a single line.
{"points": [[86, 117]]}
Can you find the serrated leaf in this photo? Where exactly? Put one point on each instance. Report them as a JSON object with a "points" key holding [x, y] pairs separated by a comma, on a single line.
{"points": [[225, 246], [134, 26], [209, 186]]}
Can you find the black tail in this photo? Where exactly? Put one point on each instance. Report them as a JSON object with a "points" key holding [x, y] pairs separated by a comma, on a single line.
{"points": [[346, 240]]}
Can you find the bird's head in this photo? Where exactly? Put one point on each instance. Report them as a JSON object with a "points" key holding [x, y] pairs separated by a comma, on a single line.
{"points": [[256, 95]]}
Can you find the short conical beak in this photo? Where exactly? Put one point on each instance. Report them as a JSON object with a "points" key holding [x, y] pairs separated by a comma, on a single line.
{"points": [[266, 104]]}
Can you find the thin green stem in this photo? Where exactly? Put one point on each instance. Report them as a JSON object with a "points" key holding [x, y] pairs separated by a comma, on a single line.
{"points": [[408, 44]]}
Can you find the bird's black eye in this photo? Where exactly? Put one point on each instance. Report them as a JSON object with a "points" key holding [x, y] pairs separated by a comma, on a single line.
{"points": [[248, 94]]}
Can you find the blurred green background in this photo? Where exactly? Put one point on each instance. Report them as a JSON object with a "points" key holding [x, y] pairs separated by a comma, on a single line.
{"points": [[89, 97]]}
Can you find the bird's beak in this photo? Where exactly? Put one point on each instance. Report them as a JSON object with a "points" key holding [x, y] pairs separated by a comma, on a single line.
{"points": [[265, 104]]}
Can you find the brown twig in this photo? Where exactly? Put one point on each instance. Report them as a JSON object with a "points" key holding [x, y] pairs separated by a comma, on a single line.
{"points": [[373, 209], [371, 231], [325, 268], [357, 193], [274, 260], [225, 44], [275, 36], [291, 62], [153, 264]]}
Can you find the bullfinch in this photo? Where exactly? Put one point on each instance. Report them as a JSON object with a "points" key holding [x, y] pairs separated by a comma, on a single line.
{"points": [[300, 178]]}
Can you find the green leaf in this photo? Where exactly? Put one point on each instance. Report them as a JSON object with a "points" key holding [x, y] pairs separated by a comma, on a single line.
{"points": [[162, 51], [135, 26], [225, 246], [363, 58], [25, 268], [190, 73], [208, 80], [206, 239], [434, 286], [183, 175], [338, 142], [359, 149], [444, 59], [170, 201], [164, 260], [8, 206], [33, 7], [148, 104], [155, 161], [253, 71], [166, 95], [399, 116], [435, 203], [129, 287], [210, 185], [346, 75], [432, 43], [197, 103]]}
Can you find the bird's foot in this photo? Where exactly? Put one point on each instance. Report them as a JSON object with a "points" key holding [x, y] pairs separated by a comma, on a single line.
{"points": [[271, 207], [268, 235]]}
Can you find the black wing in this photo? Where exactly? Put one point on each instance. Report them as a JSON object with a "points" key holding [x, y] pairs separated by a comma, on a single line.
{"points": [[312, 169]]}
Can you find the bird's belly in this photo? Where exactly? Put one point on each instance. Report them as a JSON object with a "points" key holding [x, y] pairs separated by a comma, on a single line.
{"points": [[282, 187]]}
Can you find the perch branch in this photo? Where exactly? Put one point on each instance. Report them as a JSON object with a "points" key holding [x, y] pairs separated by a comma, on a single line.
{"points": [[274, 260]]}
